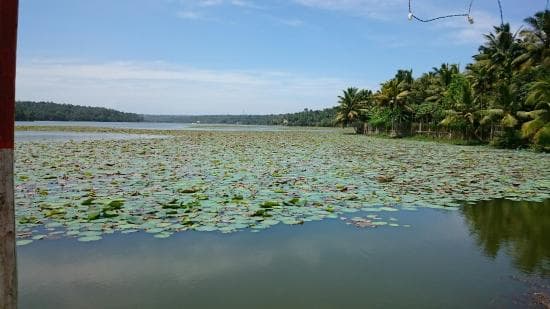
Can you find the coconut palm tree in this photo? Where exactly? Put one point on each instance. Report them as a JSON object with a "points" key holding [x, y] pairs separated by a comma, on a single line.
{"points": [[506, 105], [536, 41], [352, 107], [498, 53], [481, 82], [446, 72], [440, 81], [463, 114], [394, 95], [537, 129]]}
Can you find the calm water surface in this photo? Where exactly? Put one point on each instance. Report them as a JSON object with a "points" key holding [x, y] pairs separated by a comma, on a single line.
{"points": [[32, 136], [168, 126], [495, 254]]}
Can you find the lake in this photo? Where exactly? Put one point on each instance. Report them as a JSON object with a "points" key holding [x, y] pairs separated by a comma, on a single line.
{"points": [[165, 126], [271, 219], [493, 255], [53, 136]]}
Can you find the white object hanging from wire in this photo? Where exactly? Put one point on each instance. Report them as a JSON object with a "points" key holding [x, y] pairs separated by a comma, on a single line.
{"points": [[469, 17]]}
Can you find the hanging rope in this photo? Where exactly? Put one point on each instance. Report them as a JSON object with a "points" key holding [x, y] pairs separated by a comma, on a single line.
{"points": [[470, 19]]}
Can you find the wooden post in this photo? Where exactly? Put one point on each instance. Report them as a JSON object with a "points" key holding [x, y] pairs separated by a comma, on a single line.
{"points": [[8, 44]]}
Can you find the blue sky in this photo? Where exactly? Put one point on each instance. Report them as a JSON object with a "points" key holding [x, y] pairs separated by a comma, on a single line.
{"points": [[236, 56]]}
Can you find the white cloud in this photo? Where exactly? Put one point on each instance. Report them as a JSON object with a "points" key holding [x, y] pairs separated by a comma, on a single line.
{"points": [[459, 31], [210, 2], [464, 32], [381, 9], [247, 4], [454, 30], [200, 9], [187, 14], [214, 3], [294, 22], [163, 88]]}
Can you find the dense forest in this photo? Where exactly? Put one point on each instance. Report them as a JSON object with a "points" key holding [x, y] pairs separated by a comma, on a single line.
{"points": [[319, 118], [502, 97], [48, 111]]}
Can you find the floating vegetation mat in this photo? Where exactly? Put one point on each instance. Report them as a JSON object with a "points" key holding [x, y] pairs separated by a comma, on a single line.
{"points": [[232, 181]]}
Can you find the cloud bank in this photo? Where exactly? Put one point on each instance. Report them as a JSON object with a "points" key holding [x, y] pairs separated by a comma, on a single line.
{"points": [[163, 88]]}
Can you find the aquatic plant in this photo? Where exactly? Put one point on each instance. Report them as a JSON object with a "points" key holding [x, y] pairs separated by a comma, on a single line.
{"points": [[231, 181]]}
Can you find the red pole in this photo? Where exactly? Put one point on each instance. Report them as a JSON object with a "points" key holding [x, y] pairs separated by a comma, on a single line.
{"points": [[8, 46]]}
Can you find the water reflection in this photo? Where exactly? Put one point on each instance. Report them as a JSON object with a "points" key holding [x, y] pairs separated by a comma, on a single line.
{"points": [[521, 229], [316, 265]]}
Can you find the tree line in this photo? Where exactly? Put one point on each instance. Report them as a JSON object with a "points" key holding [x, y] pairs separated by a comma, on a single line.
{"points": [[48, 111], [307, 117], [502, 97]]}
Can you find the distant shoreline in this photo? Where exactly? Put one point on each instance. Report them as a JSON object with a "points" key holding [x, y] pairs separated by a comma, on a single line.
{"points": [[49, 111]]}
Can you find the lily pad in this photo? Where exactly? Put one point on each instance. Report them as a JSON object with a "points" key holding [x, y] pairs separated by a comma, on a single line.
{"points": [[23, 242]]}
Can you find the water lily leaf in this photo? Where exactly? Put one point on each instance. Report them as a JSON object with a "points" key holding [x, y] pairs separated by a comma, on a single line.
{"points": [[89, 238], [155, 230], [93, 215], [193, 189], [23, 242], [251, 181], [270, 204], [88, 201], [162, 235]]}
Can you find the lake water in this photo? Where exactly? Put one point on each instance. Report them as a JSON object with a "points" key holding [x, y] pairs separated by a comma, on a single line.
{"points": [[167, 126], [32, 136], [490, 255]]}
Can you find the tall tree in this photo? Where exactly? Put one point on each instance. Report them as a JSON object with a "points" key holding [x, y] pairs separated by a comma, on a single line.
{"points": [[535, 41], [394, 95], [498, 53], [537, 129], [352, 107]]}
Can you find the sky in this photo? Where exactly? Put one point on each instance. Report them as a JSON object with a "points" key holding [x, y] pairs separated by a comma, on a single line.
{"points": [[237, 56]]}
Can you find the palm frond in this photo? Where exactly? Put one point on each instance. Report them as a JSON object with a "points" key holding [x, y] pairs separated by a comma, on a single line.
{"points": [[509, 121]]}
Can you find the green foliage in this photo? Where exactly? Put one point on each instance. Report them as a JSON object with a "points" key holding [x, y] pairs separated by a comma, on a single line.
{"points": [[542, 137], [380, 117], [306, 118], [509, 139], [352, 106], [232, 181], [503, 97], [48, 111]]}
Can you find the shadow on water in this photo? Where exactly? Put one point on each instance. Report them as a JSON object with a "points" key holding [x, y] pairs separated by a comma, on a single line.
{"points": [[522, 229]]}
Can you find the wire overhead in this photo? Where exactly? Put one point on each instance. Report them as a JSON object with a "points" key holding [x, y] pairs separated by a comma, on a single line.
{"points": [[468, 16]]}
